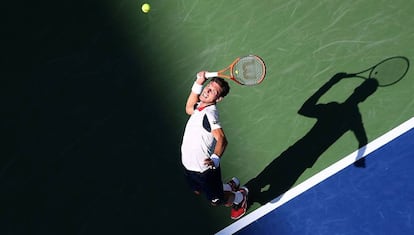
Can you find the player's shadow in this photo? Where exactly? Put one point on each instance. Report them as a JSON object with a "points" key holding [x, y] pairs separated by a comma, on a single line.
{"points": [[333, 120]]}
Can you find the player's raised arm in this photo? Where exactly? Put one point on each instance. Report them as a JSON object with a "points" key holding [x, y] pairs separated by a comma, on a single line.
{"points": [[195, 92]]}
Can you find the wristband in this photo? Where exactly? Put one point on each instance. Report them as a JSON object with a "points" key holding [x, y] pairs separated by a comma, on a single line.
{"points": [[197, 88], [215, 159]]}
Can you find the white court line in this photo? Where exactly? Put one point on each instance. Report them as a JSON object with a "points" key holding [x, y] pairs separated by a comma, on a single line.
{"points": [[317, 178]]}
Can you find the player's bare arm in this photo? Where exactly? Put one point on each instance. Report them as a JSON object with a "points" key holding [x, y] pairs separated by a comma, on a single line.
{"points": [[193, 98], [221, 144]]}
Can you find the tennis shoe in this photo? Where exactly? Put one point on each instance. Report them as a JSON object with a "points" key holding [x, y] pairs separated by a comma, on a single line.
{"points": [[238, 210], [234, 184]]}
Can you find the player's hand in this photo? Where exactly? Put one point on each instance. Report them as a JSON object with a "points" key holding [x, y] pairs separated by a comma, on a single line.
{"points": [[201, 77], [208, 162]]}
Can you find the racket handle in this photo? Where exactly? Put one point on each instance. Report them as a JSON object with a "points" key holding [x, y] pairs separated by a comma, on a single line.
{"points": [[210, 74]]}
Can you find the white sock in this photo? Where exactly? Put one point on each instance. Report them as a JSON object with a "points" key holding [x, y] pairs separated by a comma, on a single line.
{"points": [[226, 187], [238, 197]]}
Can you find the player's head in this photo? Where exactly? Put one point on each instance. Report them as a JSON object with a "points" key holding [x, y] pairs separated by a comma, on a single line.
{"points": [[225, 88], [214, 91]]}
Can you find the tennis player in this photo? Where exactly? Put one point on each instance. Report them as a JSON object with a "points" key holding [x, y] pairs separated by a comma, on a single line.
{"points": [[203, 145]]}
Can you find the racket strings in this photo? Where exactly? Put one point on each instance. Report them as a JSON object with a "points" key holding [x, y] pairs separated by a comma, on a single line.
{"points": [[249, 70], [390, 71]]}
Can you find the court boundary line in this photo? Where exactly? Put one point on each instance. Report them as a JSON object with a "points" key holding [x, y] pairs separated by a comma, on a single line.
{"points": [[319, 177]]}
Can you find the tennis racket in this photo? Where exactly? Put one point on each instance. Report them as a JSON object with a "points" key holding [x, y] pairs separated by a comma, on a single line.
{"points": [[387, 72], [246, 70]]}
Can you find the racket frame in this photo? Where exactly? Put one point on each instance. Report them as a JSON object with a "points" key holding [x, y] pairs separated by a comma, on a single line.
{"points": [[371, 69], [229, 74]]}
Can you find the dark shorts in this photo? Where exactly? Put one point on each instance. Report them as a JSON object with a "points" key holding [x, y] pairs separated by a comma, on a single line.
{"points": [[208, 182]]}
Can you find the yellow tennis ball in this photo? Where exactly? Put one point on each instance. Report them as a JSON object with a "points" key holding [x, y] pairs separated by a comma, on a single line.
{"points": [[145, 7]]}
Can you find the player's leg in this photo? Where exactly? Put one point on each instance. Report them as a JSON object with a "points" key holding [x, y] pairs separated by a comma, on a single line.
{"points": [[232, 185], [229, 189], [239, 207], [194, 181], [213, 186]]}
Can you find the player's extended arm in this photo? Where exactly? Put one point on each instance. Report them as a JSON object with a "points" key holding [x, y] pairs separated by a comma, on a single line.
{"points": [[195, 92]]}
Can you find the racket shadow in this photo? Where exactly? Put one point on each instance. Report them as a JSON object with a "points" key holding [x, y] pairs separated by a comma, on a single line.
{"points": [[387, 72], [333, 120]]}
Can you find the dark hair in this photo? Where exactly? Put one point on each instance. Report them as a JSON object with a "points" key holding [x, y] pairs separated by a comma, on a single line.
{"points": [[225, 88]]}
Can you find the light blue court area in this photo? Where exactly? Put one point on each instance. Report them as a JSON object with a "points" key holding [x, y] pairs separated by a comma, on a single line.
{"points": [[344, 199]]}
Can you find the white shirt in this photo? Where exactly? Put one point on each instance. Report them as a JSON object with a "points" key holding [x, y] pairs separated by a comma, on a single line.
{"points": [[198, 141]]}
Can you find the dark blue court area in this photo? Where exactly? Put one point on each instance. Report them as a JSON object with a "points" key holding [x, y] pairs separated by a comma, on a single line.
{"points": [[378, 199]]}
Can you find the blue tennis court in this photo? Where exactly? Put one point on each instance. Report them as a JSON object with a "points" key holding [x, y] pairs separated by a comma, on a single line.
{"points": [[378, 199]]}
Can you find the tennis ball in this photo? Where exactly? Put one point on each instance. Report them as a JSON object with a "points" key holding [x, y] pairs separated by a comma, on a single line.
{"points": [[145, 7]]}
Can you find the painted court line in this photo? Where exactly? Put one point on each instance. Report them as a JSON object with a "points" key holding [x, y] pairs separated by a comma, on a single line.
{"points": [[317, 178]]}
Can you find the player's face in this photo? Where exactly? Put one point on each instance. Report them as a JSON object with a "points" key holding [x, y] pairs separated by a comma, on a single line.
{"points": [[211, 93]]}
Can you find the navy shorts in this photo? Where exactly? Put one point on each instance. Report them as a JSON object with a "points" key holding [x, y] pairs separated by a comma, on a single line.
{"points": [[209, 182]]}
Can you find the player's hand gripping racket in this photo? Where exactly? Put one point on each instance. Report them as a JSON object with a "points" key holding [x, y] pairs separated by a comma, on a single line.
{"points": [[246, 70], [387, 72]]}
